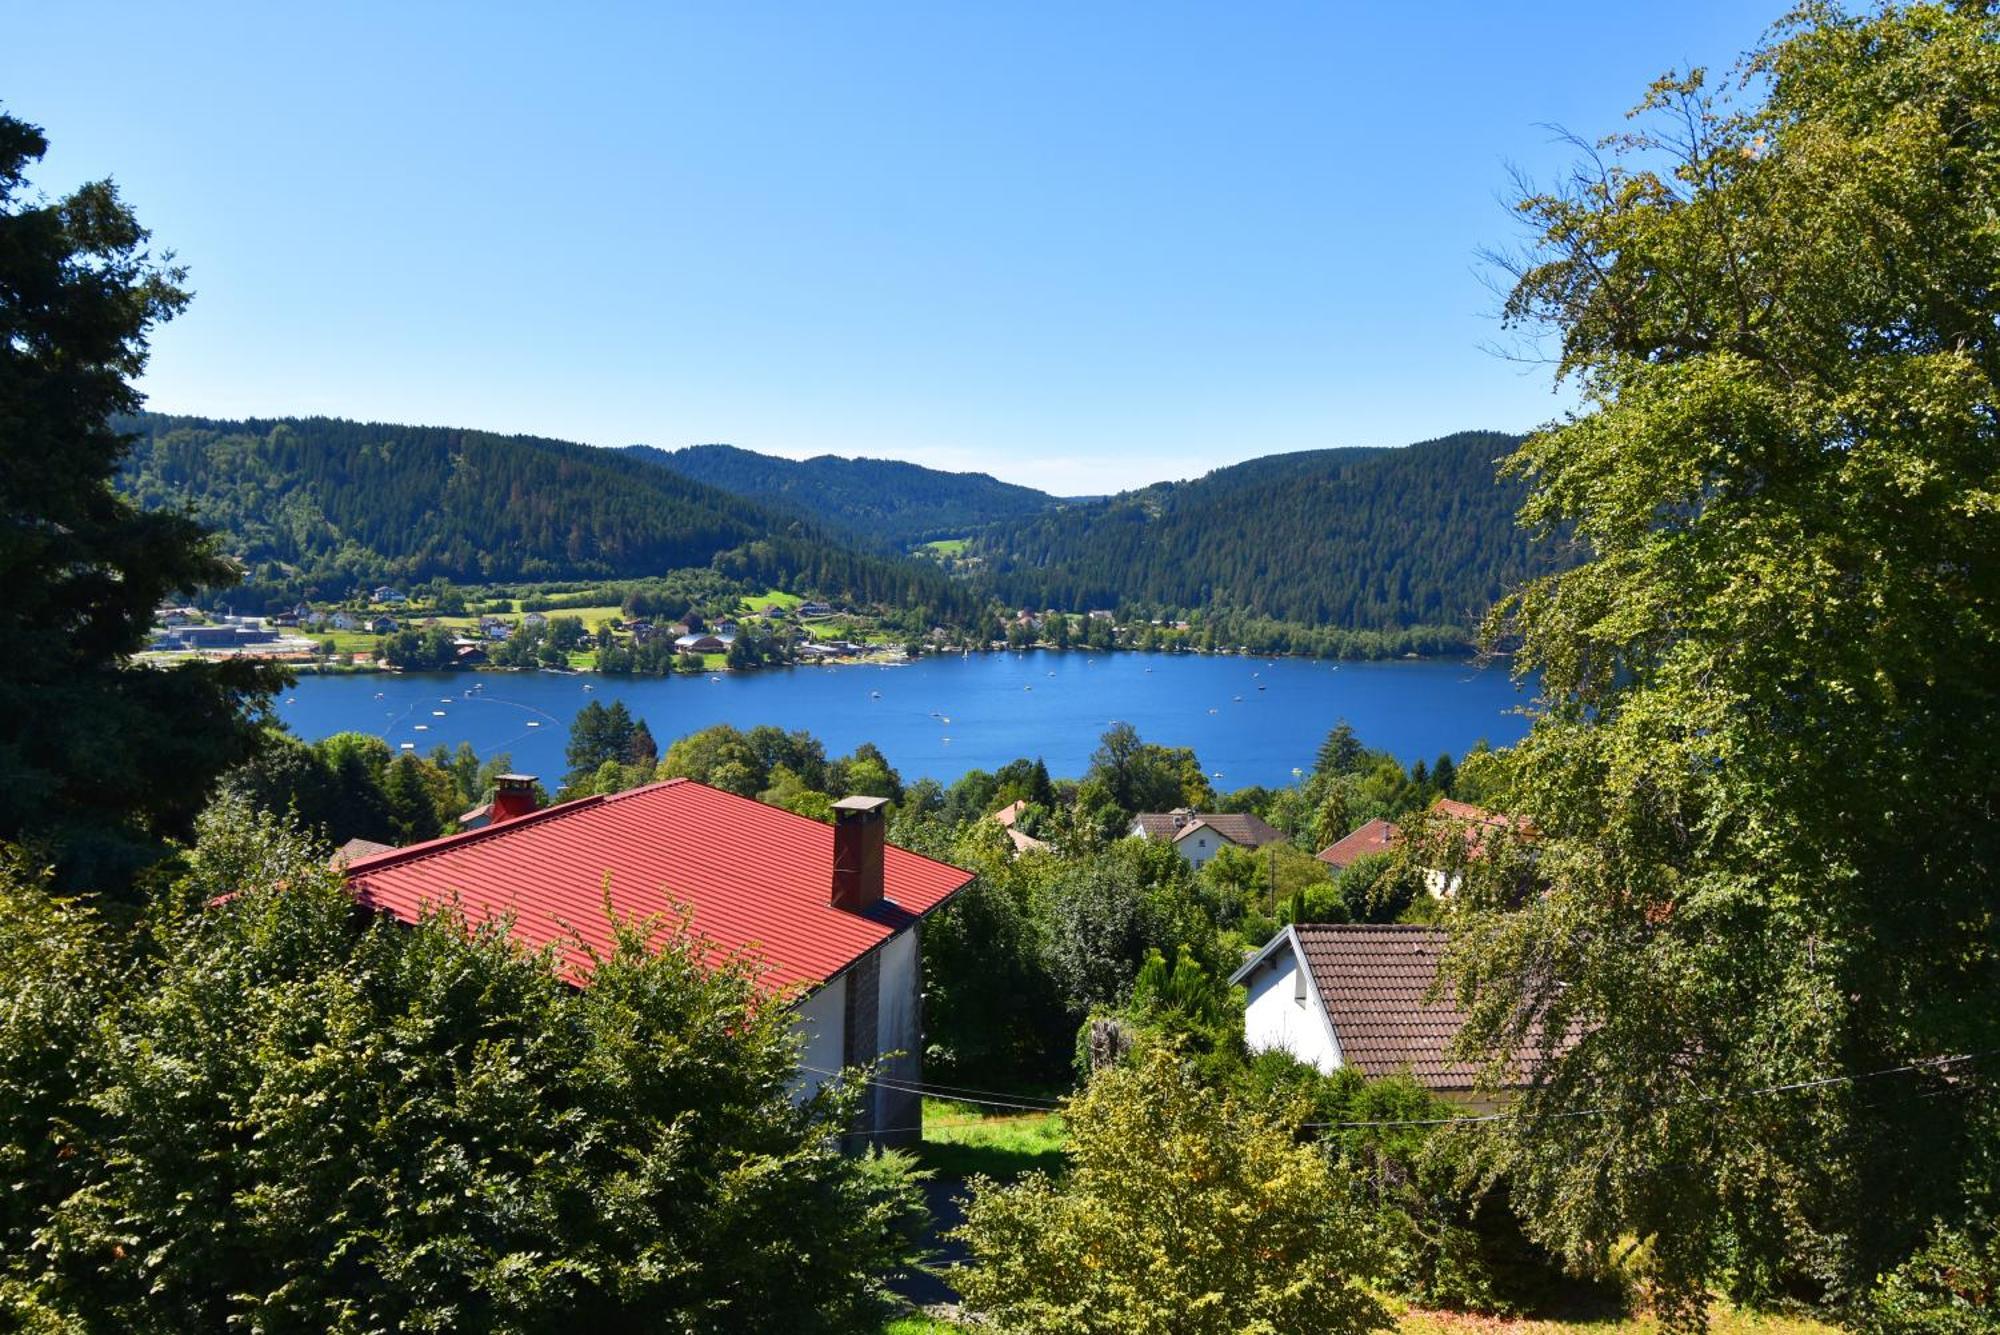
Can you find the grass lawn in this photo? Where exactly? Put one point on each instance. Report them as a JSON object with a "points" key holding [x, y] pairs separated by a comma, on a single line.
{"points": [[947, 546], [759, 602], [960, 1140]]}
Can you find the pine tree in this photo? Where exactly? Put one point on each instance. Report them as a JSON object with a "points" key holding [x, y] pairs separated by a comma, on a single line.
{"points": [[103, 759]]}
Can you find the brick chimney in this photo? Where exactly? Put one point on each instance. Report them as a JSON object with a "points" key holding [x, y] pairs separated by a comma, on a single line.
{"points": [[857, 853], [514, 795]]}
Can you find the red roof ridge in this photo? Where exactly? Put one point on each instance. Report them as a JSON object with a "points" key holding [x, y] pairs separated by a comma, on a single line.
{"points": [[411, 852]]}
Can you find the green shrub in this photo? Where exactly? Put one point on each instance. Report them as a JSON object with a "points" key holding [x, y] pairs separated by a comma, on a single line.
{"points": [[1183, 1212]]}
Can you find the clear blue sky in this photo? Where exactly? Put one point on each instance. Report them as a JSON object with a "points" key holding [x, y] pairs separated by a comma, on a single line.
{"points": [[1077, 246]]}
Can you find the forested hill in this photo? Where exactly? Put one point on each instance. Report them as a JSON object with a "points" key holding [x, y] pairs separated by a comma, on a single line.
{"points": [[884, 501], [318, 505], [1361, 539]]}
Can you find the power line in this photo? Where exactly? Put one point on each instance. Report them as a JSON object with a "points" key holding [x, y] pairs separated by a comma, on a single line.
{"points": [[908, 1088], [1927, 1064], [1016, 1103]]}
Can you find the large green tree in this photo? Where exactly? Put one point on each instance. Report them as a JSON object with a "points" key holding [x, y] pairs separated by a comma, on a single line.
{"points": [[97, 758], [1765, 781]]}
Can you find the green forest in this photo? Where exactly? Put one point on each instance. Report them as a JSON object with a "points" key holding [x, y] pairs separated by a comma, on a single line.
{"points": [[1359, 539], [877, 501], [316, 507]]}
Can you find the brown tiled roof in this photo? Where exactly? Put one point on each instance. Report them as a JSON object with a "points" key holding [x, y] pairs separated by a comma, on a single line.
{"points": [[355, 849], [1373, 981], [1237, 827], [1377, 836]]}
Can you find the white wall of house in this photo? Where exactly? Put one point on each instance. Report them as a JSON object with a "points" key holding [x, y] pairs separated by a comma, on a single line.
{"points": [[1283, 1012], [819, 1018], [1199, 847], [899, 1032]]}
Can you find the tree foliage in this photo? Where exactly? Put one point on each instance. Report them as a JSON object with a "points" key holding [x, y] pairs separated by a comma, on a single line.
{"points": [[98, 758], [1183, 1212], [1765, 781], [1355, 539]]}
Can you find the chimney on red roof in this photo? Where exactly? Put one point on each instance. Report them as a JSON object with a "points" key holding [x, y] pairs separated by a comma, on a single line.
{"points": [[514, 796], [857, 853]]}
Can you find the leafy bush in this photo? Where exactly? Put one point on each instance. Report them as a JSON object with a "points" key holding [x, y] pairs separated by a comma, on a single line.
{"points": [[1951, 1286], [1184, 1211], [1451, 1238]]}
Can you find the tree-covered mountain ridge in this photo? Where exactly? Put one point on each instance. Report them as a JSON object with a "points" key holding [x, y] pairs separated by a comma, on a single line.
{"points": [[1358, 538], [882, 501], [317, 505]]}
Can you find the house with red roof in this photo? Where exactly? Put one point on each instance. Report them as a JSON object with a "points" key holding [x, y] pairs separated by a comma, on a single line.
{"points": [[1377, 836], [1475, 828], [831, 914]]}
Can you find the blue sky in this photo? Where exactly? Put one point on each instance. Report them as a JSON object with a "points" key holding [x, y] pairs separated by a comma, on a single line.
{"points": [[1077, 246]]}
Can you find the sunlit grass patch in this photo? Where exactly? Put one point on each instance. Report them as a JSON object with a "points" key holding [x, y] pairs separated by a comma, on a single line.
{"points": [[961, 1139]]}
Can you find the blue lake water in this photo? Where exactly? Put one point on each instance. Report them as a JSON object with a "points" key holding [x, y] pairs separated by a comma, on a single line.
{"points": [[1252, 720]]}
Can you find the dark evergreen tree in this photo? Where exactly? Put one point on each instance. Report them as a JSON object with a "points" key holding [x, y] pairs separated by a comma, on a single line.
{"points": [[99, 760], [1341, 752], [599, 733]]}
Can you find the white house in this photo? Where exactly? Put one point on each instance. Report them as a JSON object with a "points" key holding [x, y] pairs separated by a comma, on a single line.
{"points": [[1341, 994], [832, 914], [1198, 836]]}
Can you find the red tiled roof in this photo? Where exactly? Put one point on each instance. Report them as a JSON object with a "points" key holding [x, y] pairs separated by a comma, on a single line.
{"points": [[1373, 981], [756, 878], [1476, 824], [1377, 836]]}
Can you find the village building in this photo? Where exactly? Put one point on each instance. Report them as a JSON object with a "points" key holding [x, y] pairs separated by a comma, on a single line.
{"points": [[830, 914], [1008, 818], [1198, 836], [1339, 995], [701, 642], [386, 594], [1475, 826], [1377, 836]]}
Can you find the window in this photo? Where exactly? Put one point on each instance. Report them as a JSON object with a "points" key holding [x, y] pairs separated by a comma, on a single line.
{"points": [[1298, 986]]}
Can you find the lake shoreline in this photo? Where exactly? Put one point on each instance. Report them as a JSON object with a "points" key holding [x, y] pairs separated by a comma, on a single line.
{"points": [[1255, 720]]}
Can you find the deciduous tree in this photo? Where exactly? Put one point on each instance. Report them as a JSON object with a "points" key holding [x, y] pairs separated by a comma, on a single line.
{"points": [[1765, 781]]}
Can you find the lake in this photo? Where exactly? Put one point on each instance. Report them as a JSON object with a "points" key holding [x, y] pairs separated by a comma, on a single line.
{"points": [[1253, 720]]}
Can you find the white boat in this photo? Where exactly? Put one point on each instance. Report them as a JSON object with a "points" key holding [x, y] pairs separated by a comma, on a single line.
{"points": [[534, 723], [423, 727]]}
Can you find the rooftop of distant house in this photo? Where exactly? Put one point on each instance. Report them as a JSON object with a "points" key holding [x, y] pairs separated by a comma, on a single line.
{"points": [[755, 880], [1238, 827], [1374, 983], [1377, 836]]}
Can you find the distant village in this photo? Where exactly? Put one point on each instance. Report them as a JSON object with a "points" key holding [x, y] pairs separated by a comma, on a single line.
{"points": [[307, 634], [352, 634]]}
